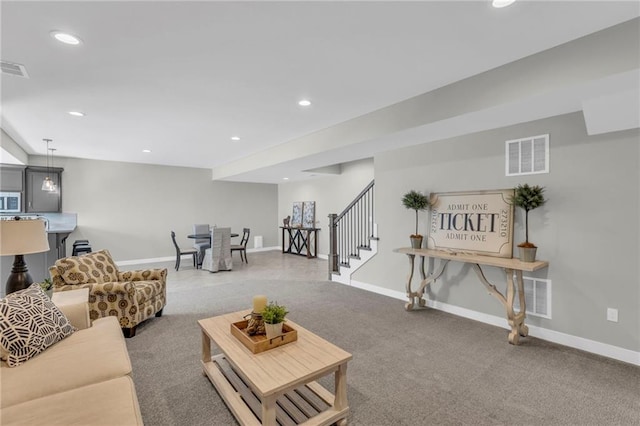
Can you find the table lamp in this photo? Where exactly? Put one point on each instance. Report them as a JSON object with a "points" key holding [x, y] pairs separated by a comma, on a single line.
{"points": [[19, 237]]}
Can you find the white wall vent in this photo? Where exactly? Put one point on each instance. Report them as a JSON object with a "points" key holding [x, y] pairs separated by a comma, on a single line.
{"points": [[537, 297], [527, 156], [13, 69]]}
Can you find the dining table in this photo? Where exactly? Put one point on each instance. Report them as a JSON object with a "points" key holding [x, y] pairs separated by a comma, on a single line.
{"points": [[205, 236]]}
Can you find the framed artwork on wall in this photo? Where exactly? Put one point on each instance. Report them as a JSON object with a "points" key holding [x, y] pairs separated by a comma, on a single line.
{"points": [[309, 214], [296, 216], [477, 222]]}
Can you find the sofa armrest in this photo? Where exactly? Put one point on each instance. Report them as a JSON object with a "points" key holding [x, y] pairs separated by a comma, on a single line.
{"points": [[143, 275], [75, 306], [77, 314]]}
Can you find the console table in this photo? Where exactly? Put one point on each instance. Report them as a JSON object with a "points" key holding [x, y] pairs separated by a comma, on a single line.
{"points": [[300, 241], [509, 266]]}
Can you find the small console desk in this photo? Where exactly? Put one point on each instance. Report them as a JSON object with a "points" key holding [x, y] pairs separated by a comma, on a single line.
{"points": [[296, 240], [509, 266]]}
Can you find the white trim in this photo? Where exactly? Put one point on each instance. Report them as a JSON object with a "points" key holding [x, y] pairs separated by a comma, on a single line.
{"points": [[151, 260], [592, 346], [255, 250], [173, 258]]}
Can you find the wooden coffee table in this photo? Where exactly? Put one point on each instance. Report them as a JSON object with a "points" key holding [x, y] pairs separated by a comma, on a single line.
{"points": [[278, 383]]}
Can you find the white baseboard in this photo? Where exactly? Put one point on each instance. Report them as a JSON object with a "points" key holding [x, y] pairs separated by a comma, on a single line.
{"points": [[173, 258], [592, 346], [151, 260]]}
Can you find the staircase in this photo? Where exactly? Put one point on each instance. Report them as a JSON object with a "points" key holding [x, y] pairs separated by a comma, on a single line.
{"points": [[352, 237]]}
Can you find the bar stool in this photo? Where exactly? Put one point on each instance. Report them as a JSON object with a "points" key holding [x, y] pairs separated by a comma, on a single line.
{"points": [[81, 246]]}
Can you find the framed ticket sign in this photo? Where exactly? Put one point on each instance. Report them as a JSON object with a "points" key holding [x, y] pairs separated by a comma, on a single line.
{"points": [[479, 222]]}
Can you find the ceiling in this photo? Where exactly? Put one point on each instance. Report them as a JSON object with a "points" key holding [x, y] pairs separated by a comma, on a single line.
{"points": [[181, 78]]}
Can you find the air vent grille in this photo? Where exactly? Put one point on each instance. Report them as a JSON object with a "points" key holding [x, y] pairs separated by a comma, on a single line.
{"points": [[537, 297], [527, 156], [13, 69]]}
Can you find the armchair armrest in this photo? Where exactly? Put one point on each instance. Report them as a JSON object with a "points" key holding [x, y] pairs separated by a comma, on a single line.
{"points": [[143, 275]]}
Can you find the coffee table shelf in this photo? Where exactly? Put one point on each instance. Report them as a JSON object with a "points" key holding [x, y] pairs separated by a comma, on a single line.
{"points": [[293, 408]]}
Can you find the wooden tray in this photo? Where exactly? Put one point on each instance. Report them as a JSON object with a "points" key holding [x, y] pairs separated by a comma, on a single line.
{"points": [[260, 343]]}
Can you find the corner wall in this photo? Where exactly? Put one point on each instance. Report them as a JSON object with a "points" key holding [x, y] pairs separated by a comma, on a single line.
{"points": [[130, 208], [588, 230], [331, 194]]}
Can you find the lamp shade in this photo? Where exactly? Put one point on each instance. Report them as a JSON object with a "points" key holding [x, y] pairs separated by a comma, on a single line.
{"points": [[23, 237]]}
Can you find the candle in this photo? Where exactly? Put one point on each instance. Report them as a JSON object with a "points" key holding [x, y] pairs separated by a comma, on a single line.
{"points": [[259, 303]]}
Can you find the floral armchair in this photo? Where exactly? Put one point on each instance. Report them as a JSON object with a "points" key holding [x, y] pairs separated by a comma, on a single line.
{"points": [[131, 296]]}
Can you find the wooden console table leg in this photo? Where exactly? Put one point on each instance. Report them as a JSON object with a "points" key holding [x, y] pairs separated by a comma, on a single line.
{"points": [[516, 320], [417, 296], [410, 294]]}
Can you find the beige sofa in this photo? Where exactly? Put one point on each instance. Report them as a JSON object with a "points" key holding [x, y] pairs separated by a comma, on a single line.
{"points": [[83, 379]]}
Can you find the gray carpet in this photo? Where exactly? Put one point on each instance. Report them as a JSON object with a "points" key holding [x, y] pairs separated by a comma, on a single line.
{"points": [[423, 367]]}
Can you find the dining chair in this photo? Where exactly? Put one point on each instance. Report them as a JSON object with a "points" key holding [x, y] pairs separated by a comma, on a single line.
{"points": [[218, 257], [201, 243], [179, 252], [242, 247]]}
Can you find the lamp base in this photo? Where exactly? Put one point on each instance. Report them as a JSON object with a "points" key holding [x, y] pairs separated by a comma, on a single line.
{"points": [[19, 278]]}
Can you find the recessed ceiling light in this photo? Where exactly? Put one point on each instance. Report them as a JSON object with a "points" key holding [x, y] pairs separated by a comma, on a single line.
{"points": [[65, 38], [501, 3], [235, 138], [304, 102], [76, 113], [146, 150], [285, 178]]}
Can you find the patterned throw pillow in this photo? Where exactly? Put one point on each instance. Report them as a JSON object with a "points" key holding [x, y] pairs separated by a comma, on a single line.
{"points": [[29, 324], [97, 267]]}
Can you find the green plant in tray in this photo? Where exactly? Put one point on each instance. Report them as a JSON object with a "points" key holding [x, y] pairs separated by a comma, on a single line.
{"points": [[274, 313]]}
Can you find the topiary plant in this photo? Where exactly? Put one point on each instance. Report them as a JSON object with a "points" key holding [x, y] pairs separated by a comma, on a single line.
{"points": [[528, 198], [415, 201], [274, 313]]}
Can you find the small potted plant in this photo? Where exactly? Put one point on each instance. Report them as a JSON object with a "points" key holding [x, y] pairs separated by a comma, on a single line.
{"points": [[273, 316], [416, 201], [47, 286], [528, 198]]}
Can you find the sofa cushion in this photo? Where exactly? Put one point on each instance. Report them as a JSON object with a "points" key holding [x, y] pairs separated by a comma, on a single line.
{"points": [[96, 267], [88, 356], [108, 403], [29, 323]]}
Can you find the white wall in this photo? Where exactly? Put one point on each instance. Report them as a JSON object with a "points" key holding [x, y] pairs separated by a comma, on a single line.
{"points": [[331, 194]]}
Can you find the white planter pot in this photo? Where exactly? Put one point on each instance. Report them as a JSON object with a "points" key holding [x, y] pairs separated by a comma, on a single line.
{"points": [[273, 330]]}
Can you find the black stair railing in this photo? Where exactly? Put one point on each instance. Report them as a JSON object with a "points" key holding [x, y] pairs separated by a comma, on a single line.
{"points": [[351, 230]]}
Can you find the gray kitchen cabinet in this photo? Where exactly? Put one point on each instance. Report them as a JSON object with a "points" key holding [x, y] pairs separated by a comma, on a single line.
{"points": [[39, 201], [11, 178]]}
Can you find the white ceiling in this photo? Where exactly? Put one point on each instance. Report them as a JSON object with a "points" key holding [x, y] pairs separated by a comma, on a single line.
{"points": [[180, 78]]}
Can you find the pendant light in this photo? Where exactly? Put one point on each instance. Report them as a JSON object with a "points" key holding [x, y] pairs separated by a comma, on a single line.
{"points": [[54, 187], [48, 184]]}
